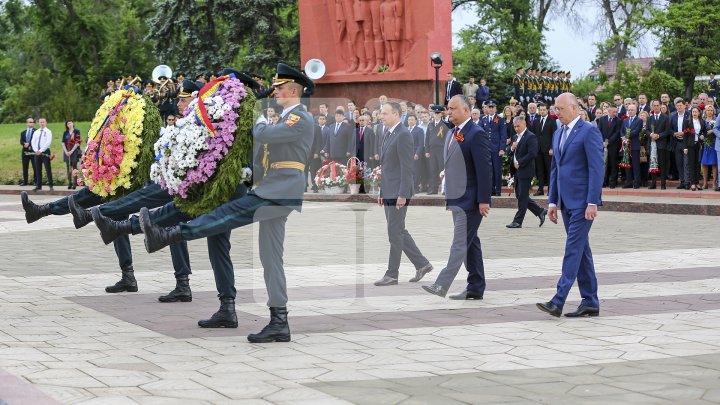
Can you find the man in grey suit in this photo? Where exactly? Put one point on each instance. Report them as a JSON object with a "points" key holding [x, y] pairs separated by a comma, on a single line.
{"points": [[396, 158], [279, 193]]}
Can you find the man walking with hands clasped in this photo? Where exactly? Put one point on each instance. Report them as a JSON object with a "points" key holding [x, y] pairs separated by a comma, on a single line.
{"points": [[396, 157], [576, 178]]}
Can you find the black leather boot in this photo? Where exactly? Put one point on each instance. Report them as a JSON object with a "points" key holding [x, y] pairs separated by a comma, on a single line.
{"points": [[81, 216], [277, 330], [156, 237], [33, 212], [110, 229], [126, 283], [181, 292], [225, 317]]}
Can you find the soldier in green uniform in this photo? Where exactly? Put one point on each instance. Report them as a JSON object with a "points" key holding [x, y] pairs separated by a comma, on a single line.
{"points": [[279, 193]]}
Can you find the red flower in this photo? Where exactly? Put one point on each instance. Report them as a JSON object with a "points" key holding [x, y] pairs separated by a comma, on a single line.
{"points": [[622, 117], [553, 116], [690, 131]]}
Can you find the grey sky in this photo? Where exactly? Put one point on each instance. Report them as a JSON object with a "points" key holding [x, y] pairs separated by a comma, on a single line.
{"points": [[572, 49]]}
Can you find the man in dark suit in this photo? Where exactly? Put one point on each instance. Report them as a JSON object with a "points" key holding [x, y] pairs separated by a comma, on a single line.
{"points": [[660, 133], [643, 104], [483, 93], [396, 157], [592, 107], [494, 126], [26, 154], [434, 147], [618, 100], [315, 161], [418, 137], [576, 189], [339, 146], [365, 131], [609, 127], [544, 128], [633, 125], [665, 100], [525, 150], [677, 143], [452, 88], [468, 186]]}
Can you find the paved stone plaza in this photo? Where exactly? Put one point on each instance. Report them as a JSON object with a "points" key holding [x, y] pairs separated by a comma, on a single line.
{"points": [[64, 340]]}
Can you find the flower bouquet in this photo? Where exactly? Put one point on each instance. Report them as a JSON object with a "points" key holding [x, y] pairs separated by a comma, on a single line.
{"points": [[625, 163], [354, 175], [710, 137], [373, 179], [203, 159], [119, 152], [654, 165], [332, 178]]}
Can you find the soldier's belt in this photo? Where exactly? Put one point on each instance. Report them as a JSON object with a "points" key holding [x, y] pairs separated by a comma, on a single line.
{"points": [[288, 165]]}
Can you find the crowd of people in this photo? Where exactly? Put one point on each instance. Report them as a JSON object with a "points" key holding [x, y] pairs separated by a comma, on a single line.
{"points": [[645, 142]]}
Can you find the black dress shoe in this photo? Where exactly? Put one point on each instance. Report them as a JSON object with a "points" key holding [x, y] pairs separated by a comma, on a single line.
{"points": [[156, 237], [612, 187], [680, 187], [22, 183], [386, 280], [627, 186], [436, 289], [513, 225], [583, 310], [421, 272], [550, 308], [663, 187], [652, 187], [467, 295], [542, 216], [537, 193]]}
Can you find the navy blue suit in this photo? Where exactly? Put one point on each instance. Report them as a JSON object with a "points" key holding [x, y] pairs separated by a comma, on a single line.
{"points": [[525, 154], [635, 128], [576, 178], [498, 137], [468, 183]]}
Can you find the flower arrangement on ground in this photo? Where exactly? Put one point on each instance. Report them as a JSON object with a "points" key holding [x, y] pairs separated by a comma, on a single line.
{"points": [[355, 169], [203, 159], [373, 177], [119, 151], [331, 175]]}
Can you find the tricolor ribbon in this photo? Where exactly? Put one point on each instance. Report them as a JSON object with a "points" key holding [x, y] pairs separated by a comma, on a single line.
{"points": [[129, 92], [201, 115]]}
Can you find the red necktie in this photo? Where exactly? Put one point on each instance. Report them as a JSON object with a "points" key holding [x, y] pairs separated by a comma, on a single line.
{"points": [[361, 133]]}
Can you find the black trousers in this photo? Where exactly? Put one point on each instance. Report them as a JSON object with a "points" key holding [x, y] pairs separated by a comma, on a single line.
{"points": [[314, 165], [437, 164], [632, 175], [542, 169], [27, 160], [41, 161], [679, 163], [613, 162], [86, 199], [522, 193]]}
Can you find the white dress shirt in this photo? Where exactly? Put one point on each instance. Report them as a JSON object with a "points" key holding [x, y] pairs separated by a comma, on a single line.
{"points": [[42, 138], [570, 126]]}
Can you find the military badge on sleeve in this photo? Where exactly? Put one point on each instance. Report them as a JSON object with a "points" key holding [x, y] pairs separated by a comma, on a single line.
{"points": [[292, 119]]}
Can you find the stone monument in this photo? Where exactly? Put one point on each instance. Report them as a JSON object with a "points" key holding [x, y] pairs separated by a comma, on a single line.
{"points": [[374, 47]]}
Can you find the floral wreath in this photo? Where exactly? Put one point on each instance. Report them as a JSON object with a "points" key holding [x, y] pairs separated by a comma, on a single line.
{"points": [[189, 155], [332, 174], [119, 150]]}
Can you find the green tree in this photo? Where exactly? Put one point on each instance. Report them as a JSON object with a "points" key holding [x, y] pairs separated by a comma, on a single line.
{"points": [[689, 31]]}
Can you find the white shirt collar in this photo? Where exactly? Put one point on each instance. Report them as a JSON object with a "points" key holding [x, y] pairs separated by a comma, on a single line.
{"points": [[572, 123], [394, 126], [461, 126]]}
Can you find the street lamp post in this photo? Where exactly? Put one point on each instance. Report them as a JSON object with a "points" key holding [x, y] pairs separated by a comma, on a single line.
{"points": [[436, 62]]}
